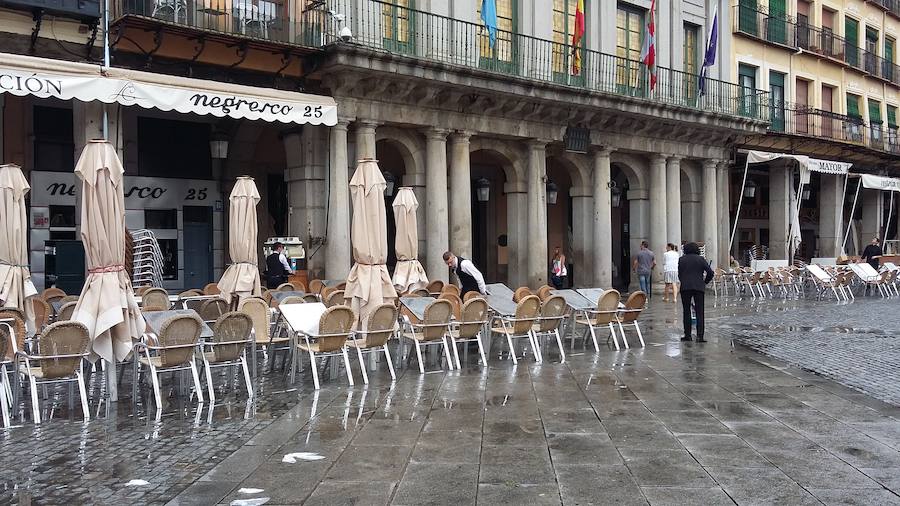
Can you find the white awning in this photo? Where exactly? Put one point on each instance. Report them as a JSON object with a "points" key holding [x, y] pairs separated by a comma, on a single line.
{"points": [[812, 164], [880, 182], [47, 78]]}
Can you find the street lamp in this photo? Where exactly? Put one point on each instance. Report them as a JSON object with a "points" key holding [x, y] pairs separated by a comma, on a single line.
{"points": [[218, 146], [805, 193], [389, 181], [616, 198], [483, 190], [552, 192], [750, 190]]}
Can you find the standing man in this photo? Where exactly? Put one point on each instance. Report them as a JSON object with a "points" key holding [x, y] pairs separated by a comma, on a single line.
{"points": [[872, 256], [643, 265], [470, 278], [277, 267], [694, 273]]}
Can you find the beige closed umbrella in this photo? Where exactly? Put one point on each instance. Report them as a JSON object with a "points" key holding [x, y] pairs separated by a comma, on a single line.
{"points": [[15, 279], [242, 276], [106, 306], [369, 284], [408, 274]]}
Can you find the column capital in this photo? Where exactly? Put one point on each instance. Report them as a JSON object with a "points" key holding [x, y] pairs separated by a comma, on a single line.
{"points": [[367, 123], [461, 136], [515, 187], [538, 143], [601, 151], [342, 123], [674, 158], [657, 158], [724, 165], [710, 164], [436, 133]]}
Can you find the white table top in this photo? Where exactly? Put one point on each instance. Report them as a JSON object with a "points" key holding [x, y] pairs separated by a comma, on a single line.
{"points": [[303, 318], [155, 320], [574, 299]]}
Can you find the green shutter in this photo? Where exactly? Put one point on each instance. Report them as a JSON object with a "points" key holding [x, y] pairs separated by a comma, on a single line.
{"points": [[853, 106], [851, 36], [874, 112], [776, 29], [892, 116], [747, 17]]}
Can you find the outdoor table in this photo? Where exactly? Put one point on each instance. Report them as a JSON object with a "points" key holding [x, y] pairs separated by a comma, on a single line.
{"points": [[56, 305], [576, 302], [155, 320], [499, 299], [280, 296], [301, 319], [333, 282], [417, 305]]}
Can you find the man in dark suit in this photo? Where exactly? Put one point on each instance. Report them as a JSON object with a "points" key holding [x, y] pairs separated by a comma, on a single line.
{"points": [[694, 273]]}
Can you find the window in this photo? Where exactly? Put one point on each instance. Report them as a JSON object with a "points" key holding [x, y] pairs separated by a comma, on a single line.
{"points": [[892, 127], [871, 54], [54, 144], [399, 26], [160, 219], [691, 51], [853, 127], [503, 56], [171, 148], [776, 100], [748, 17], [563, 31], [801, 118], [776, 22], [629, 36], [747, 81], [803, 30], [889, 45], [875, 122], [853, 106], [830, 46], [851, 41], [828, 120]]}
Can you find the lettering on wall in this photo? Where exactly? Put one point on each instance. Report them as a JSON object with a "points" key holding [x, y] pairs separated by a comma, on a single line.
{"points": [[61, 188]]}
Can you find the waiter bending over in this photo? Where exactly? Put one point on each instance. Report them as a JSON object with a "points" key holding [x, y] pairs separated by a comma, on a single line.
{"points": [[470, 278]]}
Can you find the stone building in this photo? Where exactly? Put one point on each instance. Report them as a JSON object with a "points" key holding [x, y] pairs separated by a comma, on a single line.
{"points": [[511, 147]]}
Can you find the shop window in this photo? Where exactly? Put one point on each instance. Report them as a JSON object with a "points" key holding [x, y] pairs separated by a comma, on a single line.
{"points": [[54, 144], [161, 219], [171, 148], [62, 216]]}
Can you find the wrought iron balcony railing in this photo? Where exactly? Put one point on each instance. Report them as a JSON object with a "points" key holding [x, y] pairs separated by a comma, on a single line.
{"points": [[798, 119]]}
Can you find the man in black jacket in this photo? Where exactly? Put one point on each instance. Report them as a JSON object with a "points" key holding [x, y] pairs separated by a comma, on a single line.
{"points": [[694, 273]]}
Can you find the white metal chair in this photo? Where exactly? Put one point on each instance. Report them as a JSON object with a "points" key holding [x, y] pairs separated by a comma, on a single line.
{"points": [[228, 347], [473, 318], [335, 326], [553, 312], [628, 316], [432, 330], [520, 325], [379, 327], [171, 350], [605, 315]]}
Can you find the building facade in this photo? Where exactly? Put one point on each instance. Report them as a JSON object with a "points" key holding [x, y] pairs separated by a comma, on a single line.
{"points": [[512, 146], [829, 67]]}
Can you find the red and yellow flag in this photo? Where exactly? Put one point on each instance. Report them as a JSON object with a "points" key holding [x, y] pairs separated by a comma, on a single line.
{"points": [[577, 38]]}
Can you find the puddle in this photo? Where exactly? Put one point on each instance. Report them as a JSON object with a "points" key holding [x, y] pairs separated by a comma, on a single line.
{"points": [[292, 458]]}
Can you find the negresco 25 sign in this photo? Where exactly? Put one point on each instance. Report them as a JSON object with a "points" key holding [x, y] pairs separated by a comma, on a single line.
{"points": [[61, 188]]}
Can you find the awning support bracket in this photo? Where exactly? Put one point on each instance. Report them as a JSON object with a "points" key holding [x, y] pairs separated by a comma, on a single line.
{"points": [[38, 17], [157, 41], [286, 58], [242, 50]]}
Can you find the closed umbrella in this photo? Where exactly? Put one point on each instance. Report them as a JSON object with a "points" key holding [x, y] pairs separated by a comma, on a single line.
{"points": [[369, 284], [409, 274], [794, 236], [106, 306], [242, 276], [15, 278]]}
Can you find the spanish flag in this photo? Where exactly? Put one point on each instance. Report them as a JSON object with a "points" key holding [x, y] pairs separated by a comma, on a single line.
{"points": [[577, 38]]}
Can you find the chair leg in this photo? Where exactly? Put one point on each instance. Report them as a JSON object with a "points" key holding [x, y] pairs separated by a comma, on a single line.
{"points": [[197, 386], [362, 366], [594, 339], [481, 351], [209, 383], [512, 350], [624, 338], [447, 353], [562, 353], [4, 399], [612, 334], [35, 408], [390, 364], [82, 390], [247, 374], [419, 356], [315, 368], [347, 365], [534, 339], [640, 336], [455, 347]]}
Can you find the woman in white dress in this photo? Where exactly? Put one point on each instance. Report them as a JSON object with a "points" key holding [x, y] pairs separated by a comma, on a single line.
{"points": [[670, 269]]}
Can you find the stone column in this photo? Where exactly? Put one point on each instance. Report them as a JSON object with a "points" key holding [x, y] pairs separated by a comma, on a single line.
{"points": [[337, 243], [872, 203], [306, 181], [710, 211], [517, 232], [365, 140], [831, 215], [723, 193], [638, 226], [602, 217], [658, 208], [780, 182], [582, 236], [436, 221], [537, 213], [460, 195], [673, 200]]}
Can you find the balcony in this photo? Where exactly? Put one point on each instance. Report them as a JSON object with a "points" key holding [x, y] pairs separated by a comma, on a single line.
{"points": [[892, 7], [801, 120], [784, 31]]}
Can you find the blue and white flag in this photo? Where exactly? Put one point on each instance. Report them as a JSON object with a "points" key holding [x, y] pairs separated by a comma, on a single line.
{"points": [[712, 44], [489, 16]]}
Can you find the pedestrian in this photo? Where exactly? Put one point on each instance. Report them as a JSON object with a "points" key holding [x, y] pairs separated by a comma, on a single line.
{"points": [[558, 271], [644, 263], [670, 270], [277, 267], [694, 273], [469, 277]]}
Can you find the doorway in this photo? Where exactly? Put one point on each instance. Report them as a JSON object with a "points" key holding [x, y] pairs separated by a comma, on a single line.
{"points": [[198, 246]]}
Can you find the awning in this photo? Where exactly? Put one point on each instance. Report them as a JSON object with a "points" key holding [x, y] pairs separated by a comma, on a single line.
{"points": [[811, 164], [48, 78], [880, 182]]}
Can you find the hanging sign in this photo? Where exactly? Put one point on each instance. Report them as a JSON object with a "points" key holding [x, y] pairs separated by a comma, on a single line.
{"points": [[880, 182]]}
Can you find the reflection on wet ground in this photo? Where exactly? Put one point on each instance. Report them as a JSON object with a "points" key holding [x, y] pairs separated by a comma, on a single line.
{"points": [[670, 423]]}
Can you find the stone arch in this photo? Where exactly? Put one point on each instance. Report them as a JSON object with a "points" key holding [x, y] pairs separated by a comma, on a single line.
{"points": [[409, 146], [509, 159], [577, 166], [634, 167], [691, 177]]}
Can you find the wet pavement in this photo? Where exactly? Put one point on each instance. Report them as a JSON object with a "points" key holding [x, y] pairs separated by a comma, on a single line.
{"points": [[672, 423]]}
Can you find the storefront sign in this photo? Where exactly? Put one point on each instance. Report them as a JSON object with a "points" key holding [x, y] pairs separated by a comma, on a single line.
{"points": [[61, 188], [25, 75], [880, 182], [40, 217]]}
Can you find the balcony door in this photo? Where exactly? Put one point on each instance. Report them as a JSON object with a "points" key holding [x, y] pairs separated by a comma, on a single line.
{"points": [[828, 108], [776, 99], [504, 56], [747, 82], [851, 36], [748, 16], [630, 75], [398, 18], [803, 25], [801, 114], [871, 54], [563, 51], [776, 22]]}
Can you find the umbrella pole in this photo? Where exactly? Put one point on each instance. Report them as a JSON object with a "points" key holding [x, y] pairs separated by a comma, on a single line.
{"points": [[850, 220], [737, 214]]}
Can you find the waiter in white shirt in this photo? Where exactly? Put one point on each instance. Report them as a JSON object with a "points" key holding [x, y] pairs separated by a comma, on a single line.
{"points": [[470, 278], [277, 267]]}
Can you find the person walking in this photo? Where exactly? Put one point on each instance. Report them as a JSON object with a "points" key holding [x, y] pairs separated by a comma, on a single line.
{"points": [[670, 268], [470, 278], [558, 271], [277, 267], [644, 263], [694, 273]]}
